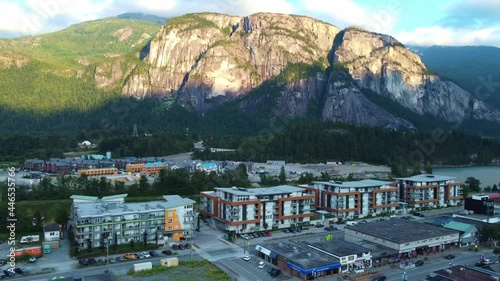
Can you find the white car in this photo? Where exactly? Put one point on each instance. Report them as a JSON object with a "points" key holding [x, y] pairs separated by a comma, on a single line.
{"points": [[247, 258], [146, 254], [488, 261], [262, 264]]}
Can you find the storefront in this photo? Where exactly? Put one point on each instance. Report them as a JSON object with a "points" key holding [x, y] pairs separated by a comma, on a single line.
{"points": [[314, 272]]}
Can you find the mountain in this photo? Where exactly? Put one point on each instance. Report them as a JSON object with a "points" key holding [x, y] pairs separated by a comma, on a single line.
{"points": [[474, 68], [142, 16], [219, 68]]}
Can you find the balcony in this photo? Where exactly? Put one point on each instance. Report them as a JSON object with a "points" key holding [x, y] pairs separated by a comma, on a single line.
{"points": [[293, 204]]}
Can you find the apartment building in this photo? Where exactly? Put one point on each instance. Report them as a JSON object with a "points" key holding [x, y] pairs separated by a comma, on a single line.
{"points": [[428, 190], [354, 199], [98, 172], [242, 210], [110, 220]]}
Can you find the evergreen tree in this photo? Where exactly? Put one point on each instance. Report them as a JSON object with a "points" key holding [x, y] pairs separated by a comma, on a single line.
{"points": [[282, 176]]}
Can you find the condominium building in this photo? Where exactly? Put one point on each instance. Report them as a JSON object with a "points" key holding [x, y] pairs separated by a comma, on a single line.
{"points": [[98, 172], [355, 199], [243, 210], [111, 221], [430, 191]]}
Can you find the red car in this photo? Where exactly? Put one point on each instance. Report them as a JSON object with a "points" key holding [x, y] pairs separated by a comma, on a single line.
{"points": [[267, 233]]}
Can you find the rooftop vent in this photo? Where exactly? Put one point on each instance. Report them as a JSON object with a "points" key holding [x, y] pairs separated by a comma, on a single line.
{"points": [[309, 255], [448, 271], [280, 244]]}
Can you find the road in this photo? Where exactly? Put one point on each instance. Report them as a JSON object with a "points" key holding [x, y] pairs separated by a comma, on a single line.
{"points": [[120, 268]]}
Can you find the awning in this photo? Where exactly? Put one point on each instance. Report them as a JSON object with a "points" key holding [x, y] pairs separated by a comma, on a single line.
{"points": [[358, 263], [273, 255], [313, 269], [263, 250]]}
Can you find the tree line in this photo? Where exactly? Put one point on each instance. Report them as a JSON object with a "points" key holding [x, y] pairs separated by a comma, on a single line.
{"points": [[404, 151]]}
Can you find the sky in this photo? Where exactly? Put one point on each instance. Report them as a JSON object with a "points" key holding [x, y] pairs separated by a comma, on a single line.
{"points": [[413, 22]]}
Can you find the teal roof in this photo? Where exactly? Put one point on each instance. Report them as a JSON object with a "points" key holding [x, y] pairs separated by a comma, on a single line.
{"points": [[459, 226]]}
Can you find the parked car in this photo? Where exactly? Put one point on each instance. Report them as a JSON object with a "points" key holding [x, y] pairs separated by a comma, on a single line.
{"points": [[419, 263], [153, 253], [92, 261], [111, 260], [319, 226], [2, 276], [262, 264], [268, 233], [449, 257], [84, 262], [181, 247], [304, 228], [175, 247], [274, 272], [141, 256], [23, 271], [146, 254], [187, 246], [31, 259], [291, 230], [286, 230], [379, 278], [298, 230], [9, 273], [120, 258], [247, 258], [130, 256], [166, 252], [330, 228], [363, 222], [2, 262]]}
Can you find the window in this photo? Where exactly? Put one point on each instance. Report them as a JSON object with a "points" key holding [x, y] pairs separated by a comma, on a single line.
{"points": [[169, 214], [170, 228], [169, 220]]}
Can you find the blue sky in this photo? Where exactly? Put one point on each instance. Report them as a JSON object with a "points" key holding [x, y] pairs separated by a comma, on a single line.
{"points": [[419, 22]]}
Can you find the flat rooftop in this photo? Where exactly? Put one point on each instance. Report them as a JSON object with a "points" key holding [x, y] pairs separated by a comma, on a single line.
{"points": [[98, 209], [401, 231], [463, 273], [361, 183], [280, 189], [301, 255], [427, 178], [340, 248]]}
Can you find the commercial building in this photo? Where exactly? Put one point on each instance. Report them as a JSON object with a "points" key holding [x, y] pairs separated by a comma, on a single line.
{"points": [[355, 199], [244, 210], [463, 273], [151, 168], [319, 256], [98, 172], [481, 204], [111, 221], [428, 190], [404, 236]]}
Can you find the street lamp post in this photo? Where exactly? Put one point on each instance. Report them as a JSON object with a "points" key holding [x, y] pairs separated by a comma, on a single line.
{"points": [[107, 256]]}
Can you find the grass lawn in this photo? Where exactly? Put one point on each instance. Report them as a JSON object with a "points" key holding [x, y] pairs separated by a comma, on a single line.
{"points": [[194, 270]]}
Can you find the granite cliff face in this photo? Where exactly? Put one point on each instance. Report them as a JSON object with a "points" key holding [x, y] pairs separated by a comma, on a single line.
{"points": [[204, 60], [380, 63]]}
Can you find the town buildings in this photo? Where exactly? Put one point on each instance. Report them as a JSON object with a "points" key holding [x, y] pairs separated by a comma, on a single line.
{"points": [[110, 220], [242, 210], [355, 199], [404, 237], [482, 204], [428, 190]]}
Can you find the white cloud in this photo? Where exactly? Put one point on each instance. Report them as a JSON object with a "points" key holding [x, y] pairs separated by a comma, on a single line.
{"points": [[438, 35], [344, 13]]}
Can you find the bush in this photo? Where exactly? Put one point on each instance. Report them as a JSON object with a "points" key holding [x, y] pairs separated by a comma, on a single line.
{"points": [[496, 251]]}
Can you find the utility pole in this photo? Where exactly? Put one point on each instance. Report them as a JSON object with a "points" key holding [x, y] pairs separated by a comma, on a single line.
{"points": [[192, 236], [107, 256]]}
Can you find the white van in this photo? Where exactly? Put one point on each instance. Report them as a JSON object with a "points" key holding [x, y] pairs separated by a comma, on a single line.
{"points": [[351, 223]]}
